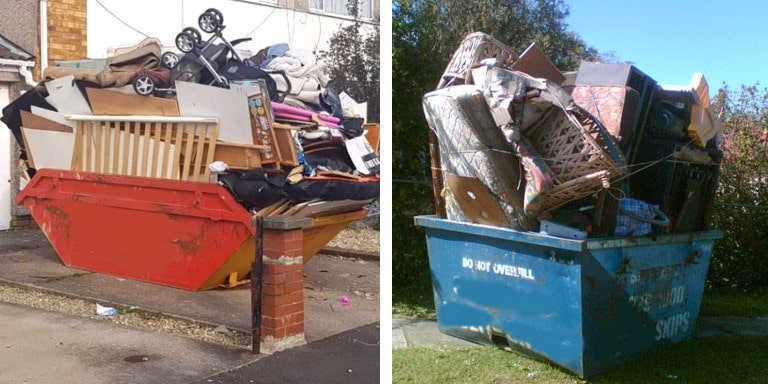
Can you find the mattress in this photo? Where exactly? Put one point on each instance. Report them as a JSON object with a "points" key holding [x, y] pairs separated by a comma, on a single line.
{"points": [[471, 145]]}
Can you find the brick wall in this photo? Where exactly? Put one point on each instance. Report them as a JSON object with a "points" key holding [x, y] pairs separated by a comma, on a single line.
{"points": [[23, 222], [67, 31]]}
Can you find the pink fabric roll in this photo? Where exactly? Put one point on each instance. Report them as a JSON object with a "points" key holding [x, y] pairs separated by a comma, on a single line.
{"points": [[282, 110]]}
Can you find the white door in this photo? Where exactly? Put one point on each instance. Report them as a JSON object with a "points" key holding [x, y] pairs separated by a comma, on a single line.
{"points": [[5, 165]]}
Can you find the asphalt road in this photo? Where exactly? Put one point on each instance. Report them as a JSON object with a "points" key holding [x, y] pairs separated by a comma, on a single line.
{"points": [[350, 357]]}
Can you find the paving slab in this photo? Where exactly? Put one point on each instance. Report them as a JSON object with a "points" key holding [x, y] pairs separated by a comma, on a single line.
{"points": [[422, 332], [38, 346], [26, 258]]}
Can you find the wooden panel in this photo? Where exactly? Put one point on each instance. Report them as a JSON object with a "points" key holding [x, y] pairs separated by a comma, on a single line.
{"points": [[537, 64], [476, 201], [372, 132], [262, 128], [64, 95], [288, 153], [104, 102], [52, 115], [28, 120], [48, 149], [238, 156], [230, 107]]}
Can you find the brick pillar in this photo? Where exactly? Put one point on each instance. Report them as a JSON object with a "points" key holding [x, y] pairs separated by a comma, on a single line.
{"points": [[282, 303]]}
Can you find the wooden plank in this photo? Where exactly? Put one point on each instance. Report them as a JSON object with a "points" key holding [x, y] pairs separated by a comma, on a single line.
{"points": [[535, 63], [146, 135], [165, 172], [124, 136], [88, 145], [107, 102], [117, 134], [238, 157], [286, 147], [266, 211], [156, 171], [136, 130], [77, 163], [277, 125], [97, 143], [281, 208], [214, 128], [29, 120], [339, 174], [177, 153], [199, 152], [323, 208], [189, 135]]}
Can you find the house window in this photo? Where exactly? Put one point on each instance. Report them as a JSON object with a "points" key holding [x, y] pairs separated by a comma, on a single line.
{"points": [[339, 7]]}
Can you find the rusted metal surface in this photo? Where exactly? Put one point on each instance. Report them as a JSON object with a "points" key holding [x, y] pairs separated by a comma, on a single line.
{"points": [[585, 305], [163, 231], [187, 235]]}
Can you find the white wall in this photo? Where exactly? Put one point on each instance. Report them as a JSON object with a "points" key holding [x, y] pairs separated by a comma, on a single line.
{"points": [[266, 24], [5, 165]]}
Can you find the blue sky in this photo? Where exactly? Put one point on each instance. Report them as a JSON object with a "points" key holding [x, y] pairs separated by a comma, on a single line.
{"points": [[670, 40]]}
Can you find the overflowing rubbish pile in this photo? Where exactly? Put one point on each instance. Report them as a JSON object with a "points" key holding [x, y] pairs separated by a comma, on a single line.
{"points": [[272, 128], [603, 151]]}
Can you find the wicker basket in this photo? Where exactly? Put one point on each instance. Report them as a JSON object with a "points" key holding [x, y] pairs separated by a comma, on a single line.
{"points": [[579, 152], [475, 47], [573, 144]]}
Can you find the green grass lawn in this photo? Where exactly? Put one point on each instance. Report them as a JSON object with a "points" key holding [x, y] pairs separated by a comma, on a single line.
{"points": [[702, 360], [734, 359]]}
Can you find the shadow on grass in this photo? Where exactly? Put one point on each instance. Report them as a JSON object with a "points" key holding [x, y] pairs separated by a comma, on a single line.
{"points": [[735, 302], [737, 359]]}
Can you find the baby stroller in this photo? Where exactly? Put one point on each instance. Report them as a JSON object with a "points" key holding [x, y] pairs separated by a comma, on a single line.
{"points": [[215, 61]]}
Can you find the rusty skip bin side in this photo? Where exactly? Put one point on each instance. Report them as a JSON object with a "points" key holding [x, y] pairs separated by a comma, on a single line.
{"points": [[585, 305], [168, 232]]}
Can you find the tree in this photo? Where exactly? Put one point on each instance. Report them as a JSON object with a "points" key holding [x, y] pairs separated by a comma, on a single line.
{"points": [[353, 61], [425, 33], [739, 258]]}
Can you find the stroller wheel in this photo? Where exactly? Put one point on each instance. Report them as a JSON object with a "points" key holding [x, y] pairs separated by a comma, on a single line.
{"points": [[169, 60], [208, 23], [194, 33], [185, 42], [143, 85], [217, 14]]}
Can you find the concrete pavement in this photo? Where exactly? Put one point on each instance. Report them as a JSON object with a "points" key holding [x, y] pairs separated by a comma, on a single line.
{"points": [[41, 347], [38, 346]]}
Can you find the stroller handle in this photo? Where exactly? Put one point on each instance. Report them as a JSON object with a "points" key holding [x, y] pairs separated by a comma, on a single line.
{"points": [[241, 40]]}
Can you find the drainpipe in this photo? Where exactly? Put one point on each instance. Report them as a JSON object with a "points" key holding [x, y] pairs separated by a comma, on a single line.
{"points": [[43, 36], [23, 69]]}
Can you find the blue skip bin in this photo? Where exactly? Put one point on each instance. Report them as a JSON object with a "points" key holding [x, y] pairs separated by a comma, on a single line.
{"points": [[585, 305]]}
